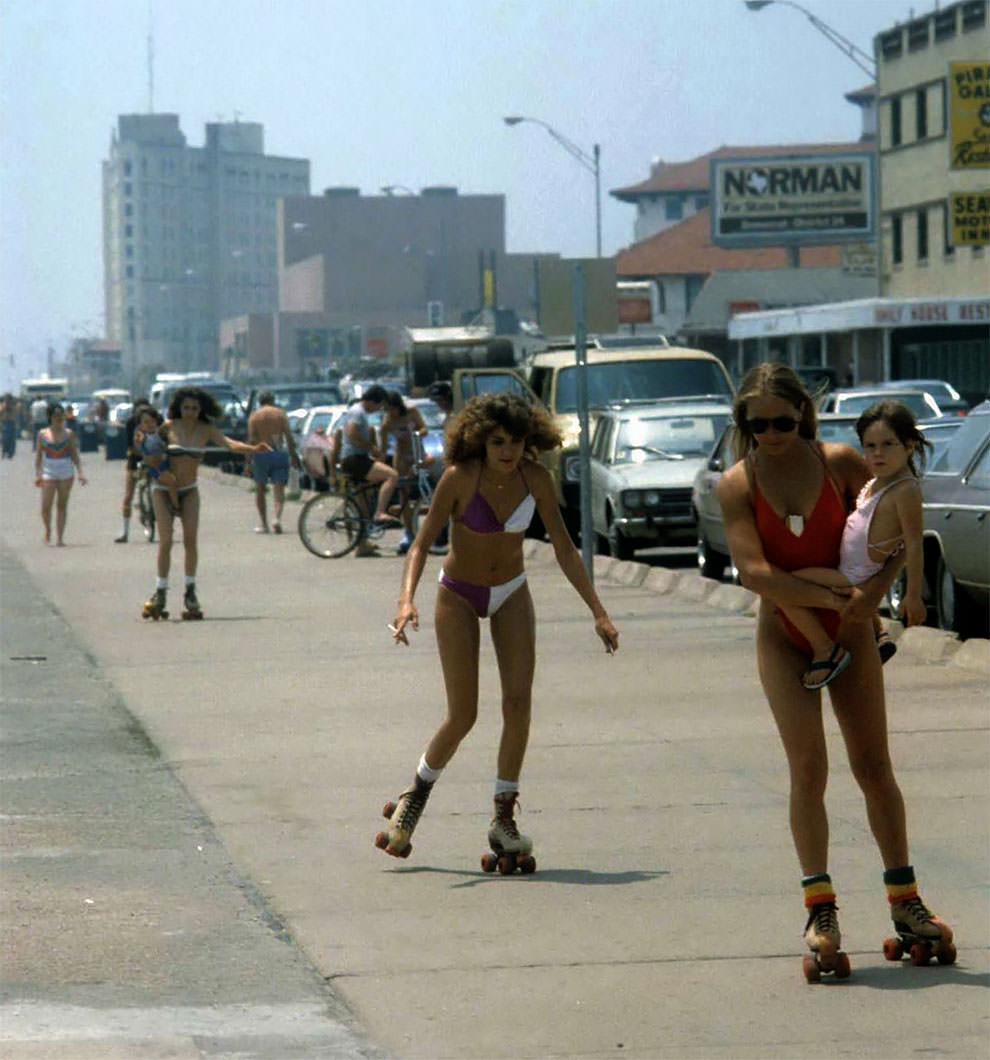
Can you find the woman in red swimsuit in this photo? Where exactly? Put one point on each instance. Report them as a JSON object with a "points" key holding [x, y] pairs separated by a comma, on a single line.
{"points": [[785, 505], [490, 491]]}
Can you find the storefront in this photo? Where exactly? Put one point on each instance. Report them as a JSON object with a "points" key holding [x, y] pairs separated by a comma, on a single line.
{"points": [[875, 339]]}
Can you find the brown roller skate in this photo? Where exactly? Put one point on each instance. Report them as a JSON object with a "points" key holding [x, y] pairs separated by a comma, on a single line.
{"points": [[191, 609], [920, 934], [509, 849], [823, 939], [154, 606], [403, 816]]}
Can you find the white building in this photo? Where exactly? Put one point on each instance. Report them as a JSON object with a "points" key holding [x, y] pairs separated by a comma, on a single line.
{"points": [[190, 238]]}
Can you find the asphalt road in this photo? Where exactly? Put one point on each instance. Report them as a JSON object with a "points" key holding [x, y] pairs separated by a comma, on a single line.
{"points": [[188, 860]]}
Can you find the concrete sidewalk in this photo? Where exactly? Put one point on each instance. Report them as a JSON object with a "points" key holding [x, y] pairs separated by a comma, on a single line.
{"points": [[664, 919]]}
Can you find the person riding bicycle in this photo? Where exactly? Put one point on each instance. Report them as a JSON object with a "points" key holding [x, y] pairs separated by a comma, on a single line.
{"points": [[360, 457]]}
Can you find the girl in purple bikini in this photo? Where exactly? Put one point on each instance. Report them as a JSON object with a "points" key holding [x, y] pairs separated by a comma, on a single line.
{"points": [[490, 491]]}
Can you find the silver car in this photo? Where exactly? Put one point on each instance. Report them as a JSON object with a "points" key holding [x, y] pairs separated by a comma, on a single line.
{"points": [[644, 459]]}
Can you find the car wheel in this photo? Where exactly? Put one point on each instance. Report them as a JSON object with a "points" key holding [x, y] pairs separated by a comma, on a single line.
{"points": [[711, 563], [953, 609], [618, 544]]}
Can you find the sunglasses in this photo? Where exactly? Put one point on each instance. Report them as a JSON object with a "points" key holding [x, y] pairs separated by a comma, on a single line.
{"points": [[781, 424]]}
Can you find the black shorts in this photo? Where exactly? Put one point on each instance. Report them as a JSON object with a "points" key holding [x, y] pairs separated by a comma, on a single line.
{"points": [[357, 466]]}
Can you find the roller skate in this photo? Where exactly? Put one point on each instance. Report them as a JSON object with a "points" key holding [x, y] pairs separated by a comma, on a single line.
{"points": [[920, 934], [154, 606], [510, 850], [823, 939], [190, 605], [403, 816]]}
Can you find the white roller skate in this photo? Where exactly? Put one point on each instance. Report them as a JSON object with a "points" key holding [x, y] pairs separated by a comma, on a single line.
{"points": [[824, 939], [509, 849], [920, 934], [403, 816]]}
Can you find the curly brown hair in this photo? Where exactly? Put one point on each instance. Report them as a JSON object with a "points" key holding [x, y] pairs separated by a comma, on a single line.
{"points": [[468, 432], [209, 410]]}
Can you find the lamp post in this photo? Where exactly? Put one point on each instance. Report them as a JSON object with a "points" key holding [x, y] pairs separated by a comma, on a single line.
{"points": [[591, 162], [865, 62]]}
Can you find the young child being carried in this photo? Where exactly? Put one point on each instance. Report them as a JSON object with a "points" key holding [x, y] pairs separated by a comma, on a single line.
{"points": [[887, 519], [152, 447]]}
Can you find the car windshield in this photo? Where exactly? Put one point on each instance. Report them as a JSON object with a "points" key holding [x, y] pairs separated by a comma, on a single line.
{"points": [[915, 401], [958, 451], [666, 437], [646, 380], [838, 431]]}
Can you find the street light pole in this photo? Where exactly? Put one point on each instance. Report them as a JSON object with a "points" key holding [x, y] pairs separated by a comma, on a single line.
{"points": [[591, 162], [865, 62]]}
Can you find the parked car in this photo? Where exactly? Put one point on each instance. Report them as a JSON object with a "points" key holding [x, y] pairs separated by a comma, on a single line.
{"points": [[939, 432], [950, 401], [644, 459], [316, 432], [298, 395], [858, 400], [956, 492]]}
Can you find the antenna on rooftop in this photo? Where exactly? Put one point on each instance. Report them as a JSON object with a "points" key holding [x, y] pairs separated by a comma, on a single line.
{"points": [[151, 60]]}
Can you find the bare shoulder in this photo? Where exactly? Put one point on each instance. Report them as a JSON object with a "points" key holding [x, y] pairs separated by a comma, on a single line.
{"points": [[733, 483], [537, 477]]}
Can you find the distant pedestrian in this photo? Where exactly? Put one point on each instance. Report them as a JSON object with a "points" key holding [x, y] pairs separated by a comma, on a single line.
{"points": [[56, 461], [39, 418], [270, 424], [9, 422], [403, 427], [132, 462]]}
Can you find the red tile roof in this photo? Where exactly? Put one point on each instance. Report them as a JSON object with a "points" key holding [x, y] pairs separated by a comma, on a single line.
{"points": [[694, 175], [687, 248]]}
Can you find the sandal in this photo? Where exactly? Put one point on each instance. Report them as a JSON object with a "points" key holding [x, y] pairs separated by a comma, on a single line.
{"points": [[886, 646], [837, 661]]}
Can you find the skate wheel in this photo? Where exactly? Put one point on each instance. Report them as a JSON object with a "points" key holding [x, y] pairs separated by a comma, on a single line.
{"points": [[812, 973], [921, 953], [381, 840], [946, 953], [489, 863], [842, 969], [893, 949], [387, 810], [406, 852], [527, 865], [507, 864]]}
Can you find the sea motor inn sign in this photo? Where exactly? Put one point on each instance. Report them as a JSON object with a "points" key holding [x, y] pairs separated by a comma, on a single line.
{"points": [[773, 200]]}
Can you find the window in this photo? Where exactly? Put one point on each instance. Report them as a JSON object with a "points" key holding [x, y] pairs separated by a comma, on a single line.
{"points": [[896, 240], [673, 207], [947, 247], [974, 15], [922, 217], [979, 475], [891, 45], [921, 113], [945, 24], [918, 34], [701, 201], [895, 121]]}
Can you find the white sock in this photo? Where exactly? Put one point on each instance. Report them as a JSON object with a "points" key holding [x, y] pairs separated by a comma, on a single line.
{"points": [[161, 583], [127, 523], [190, 580], [423, 771], [503, 787]]}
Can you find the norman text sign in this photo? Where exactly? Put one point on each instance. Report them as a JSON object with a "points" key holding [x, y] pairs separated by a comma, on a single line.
{"points": [[773, 200]]}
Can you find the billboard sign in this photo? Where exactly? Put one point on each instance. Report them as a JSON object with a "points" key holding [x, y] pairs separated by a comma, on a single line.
{"points": [[969, 115], [970, 214], [772, 200]]}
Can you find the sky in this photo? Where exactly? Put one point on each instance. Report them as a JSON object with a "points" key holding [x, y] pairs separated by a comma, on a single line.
{"points": [[409, 93]]}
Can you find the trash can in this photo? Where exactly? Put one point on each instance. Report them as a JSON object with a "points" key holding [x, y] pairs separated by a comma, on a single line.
{"points": [[89, 438], [116, 439]]}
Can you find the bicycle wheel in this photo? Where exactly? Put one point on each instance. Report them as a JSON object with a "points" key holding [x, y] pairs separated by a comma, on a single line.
{"points": [[330, 525], [146, 510]]}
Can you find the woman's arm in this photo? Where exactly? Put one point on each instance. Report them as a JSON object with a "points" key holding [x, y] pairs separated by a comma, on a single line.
{"points": [[440, 510], [568, 558], [755, 572], [216, 437], [37, 456]]}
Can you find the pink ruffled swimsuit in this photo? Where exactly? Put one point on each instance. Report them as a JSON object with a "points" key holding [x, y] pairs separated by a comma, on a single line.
{"points": [[854, 551]]}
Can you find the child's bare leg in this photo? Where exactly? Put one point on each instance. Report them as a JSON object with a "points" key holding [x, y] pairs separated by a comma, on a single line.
{"points": [[806, 621]]}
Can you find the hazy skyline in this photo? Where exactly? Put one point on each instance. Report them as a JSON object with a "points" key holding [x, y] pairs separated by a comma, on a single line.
{"points": [[412, 94]]}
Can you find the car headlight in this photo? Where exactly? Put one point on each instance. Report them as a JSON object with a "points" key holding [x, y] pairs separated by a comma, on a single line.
{"points": [[632, 499], [571, 467], [651, 499]]}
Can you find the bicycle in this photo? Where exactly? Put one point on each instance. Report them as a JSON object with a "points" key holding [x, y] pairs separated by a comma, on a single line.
{"points": [[146, 510], [333, 524]]}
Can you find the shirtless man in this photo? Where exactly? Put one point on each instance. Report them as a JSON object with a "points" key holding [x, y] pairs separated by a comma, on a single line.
{"points": [[269, 424]]}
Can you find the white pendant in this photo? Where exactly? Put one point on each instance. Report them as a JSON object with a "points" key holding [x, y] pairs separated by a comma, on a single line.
{"points": [[795, 523]]}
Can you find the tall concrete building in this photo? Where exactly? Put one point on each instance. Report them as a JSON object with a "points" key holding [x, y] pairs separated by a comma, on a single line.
{"points": [[190, 238]]}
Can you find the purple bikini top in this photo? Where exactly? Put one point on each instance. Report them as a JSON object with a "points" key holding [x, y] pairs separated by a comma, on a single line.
{"points": [[479, 516]]}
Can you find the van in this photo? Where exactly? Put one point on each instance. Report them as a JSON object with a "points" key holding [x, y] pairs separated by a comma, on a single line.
{"points": [[616, 375]]}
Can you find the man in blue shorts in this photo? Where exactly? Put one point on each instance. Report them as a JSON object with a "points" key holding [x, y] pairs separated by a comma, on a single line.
{"points": [[268, 423]]}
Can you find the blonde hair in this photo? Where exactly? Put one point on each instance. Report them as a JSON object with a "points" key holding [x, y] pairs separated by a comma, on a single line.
{"points": [[776, 380]]}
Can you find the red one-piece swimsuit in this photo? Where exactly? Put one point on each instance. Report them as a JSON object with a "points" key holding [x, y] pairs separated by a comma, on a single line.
{"points": [[816, 546]]}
